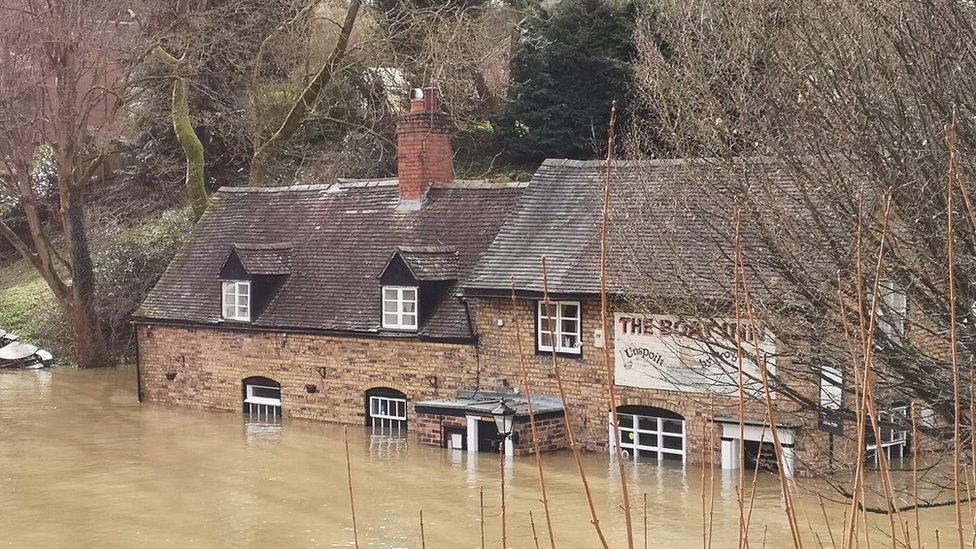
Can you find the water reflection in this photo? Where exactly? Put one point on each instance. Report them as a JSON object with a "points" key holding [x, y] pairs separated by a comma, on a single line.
{"points": [[82, 464], [257, 431]]}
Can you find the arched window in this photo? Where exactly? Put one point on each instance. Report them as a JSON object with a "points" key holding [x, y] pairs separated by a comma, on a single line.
{"points": [[262, 398], [386, 410], [648, 432]]}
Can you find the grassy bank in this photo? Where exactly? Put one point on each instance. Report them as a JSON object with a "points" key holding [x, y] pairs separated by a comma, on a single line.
{"points": [[26, 302]]}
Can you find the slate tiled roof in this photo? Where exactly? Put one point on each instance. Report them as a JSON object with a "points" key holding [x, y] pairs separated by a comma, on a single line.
{"points": [[264, 259], [431, 263], [342, 237], [660, 241]]}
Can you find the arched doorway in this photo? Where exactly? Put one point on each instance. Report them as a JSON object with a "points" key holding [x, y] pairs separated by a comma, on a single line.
{"points": [[649, 432], [262, 398], [386, 411]]}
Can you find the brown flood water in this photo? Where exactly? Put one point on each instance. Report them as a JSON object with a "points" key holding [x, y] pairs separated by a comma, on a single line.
{"points": [[83, 465]]}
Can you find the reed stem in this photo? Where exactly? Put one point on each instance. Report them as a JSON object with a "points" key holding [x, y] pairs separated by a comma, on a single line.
{"points": [[352, 502], [527, 387], [570, 431]]}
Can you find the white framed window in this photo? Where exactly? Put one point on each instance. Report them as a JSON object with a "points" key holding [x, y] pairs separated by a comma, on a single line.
{"points": [[400, 307], [236, 301], [387, 408], [893, 440], [892, 310], [388, 414], [262, 400], [559, 323], [650, 437], [263, 394]]}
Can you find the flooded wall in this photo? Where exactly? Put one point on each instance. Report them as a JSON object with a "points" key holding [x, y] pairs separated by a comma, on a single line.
{"points": [[83, 465]]}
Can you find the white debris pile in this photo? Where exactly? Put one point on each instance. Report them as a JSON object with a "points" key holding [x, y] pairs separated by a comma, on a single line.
{"points": [[17, 354]]}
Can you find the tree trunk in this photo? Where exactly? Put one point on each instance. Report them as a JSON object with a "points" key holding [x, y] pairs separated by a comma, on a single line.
{"points": [[264, 153], [89, 342], [81, 303], [196, 188]]}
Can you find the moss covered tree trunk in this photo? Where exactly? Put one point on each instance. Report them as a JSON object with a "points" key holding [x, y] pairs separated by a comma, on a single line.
{"points": [[265, 152], [196, 186]]}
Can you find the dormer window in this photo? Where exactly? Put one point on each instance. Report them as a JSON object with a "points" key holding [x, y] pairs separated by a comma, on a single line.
{"points": [[250, 278], [237, 300], [400, 307]]}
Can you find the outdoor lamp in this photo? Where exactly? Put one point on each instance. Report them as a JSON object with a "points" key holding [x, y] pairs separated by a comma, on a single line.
{"points": [[504, 418]]}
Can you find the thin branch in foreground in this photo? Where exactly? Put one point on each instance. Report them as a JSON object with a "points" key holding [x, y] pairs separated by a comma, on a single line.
{"points": [[570, 431], [423, 538], [605, 326], [953, 329], [352, 503], [527, 387]]}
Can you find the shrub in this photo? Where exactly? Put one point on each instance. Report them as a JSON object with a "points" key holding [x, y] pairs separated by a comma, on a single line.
{"points": [[128, 263]]}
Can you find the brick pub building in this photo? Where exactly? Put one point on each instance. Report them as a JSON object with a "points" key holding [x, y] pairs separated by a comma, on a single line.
{"points": [[388, 302]]}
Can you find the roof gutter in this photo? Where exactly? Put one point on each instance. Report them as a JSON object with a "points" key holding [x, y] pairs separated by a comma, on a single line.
{"points": [[235, 327]]}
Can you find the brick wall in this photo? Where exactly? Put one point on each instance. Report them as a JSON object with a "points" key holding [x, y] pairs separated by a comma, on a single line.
{"points": [[584, 379], [550, 430], [430, 427], [210, 363]]}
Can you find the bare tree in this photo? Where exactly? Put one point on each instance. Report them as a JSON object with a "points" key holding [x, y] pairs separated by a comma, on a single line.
{"points": [[61, 83], [805, 116]]}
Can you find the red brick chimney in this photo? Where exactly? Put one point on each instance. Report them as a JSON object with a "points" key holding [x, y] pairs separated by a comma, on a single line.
{"points": [[424, 153]]}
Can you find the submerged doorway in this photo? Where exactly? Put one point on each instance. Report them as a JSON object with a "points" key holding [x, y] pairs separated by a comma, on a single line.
{"points": [[386, 411], [262, 399], [754, 439]]}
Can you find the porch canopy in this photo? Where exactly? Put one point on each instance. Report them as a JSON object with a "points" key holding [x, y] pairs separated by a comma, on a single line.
{"points": [[473, 402]]}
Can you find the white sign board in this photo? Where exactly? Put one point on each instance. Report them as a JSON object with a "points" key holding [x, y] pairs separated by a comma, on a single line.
{"points": [[690, 355]]}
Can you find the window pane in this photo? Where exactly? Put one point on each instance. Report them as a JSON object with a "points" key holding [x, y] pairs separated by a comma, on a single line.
{"points": [[266, 392], [545, 340], [545, 325], [672, 426], [569, 326], [389, 306], [568, 342], [390, 293], [410, 295], [242, 312], [409, 306], [645, 423], [228, 311], [626, 420], [409, 320], [645, 439], [390, 319], [570, 311], [673, 443], [244, 288]]}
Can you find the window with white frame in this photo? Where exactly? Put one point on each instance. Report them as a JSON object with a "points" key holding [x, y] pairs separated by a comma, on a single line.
{"points": [[893, 439], [237, 300], [262, 400], [559, 327], [650, 436], [387, 414], [892, 310], [400, 307]]}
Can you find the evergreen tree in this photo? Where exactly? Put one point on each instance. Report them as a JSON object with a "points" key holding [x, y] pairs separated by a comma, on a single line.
{"points": [[573, 60]]}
